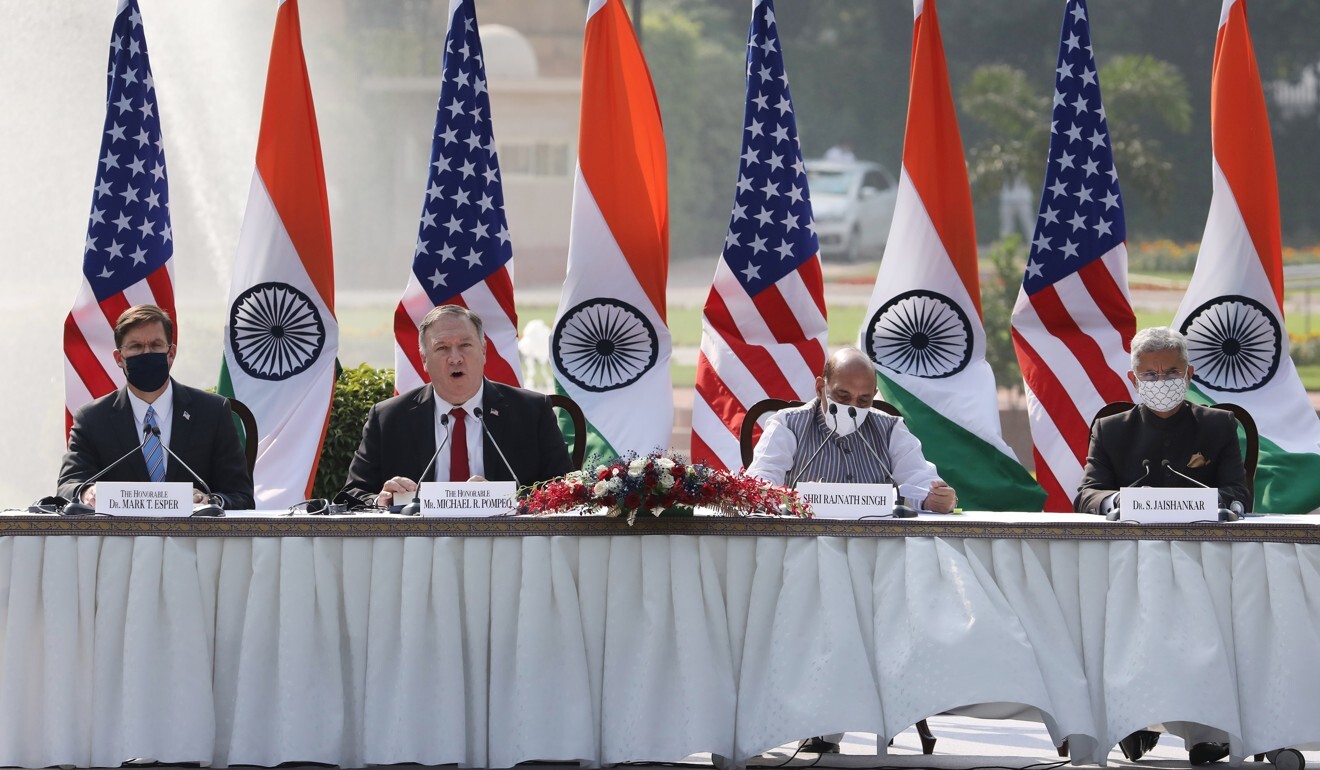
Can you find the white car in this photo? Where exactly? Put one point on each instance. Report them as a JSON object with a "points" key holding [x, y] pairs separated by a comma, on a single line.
{"points": [[853, 203]]}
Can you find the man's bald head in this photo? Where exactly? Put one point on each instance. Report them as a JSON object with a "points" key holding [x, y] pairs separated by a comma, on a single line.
{"points": [[848, 379]]}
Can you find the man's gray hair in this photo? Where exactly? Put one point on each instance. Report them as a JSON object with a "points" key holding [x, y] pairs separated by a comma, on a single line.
{"points": [[440, 311], [1155, 339]]}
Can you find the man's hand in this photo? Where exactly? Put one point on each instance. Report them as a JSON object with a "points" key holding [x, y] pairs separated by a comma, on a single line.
{"points": [[396, 484], [89, 495], [941, 498], [477, 478], [199, 496]]}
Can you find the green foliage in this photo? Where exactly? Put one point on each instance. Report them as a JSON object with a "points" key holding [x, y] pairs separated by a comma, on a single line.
{"points": [[356, 391], [1139, 91], [1007, 260], [699, 87]]}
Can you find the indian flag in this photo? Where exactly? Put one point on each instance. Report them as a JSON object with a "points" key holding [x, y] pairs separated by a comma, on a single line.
{"points": [[1233, 311], [924, 329], [610, 348], [281, 336]]}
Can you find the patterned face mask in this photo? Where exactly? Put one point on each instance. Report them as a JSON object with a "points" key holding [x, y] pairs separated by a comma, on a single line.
{"points": [[1163, 395]]}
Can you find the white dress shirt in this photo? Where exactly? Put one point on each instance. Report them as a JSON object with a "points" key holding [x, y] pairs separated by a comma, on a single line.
{"points": [[475, 445], [164, 406], [912, 473]]}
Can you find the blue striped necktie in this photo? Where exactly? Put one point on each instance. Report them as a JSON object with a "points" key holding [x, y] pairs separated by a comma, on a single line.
{"points": [[152, 449]]}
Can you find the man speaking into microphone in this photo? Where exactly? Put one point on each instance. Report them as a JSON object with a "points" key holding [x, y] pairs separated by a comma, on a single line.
{"points": [[459, 427], [160, 416], [837, 437]]}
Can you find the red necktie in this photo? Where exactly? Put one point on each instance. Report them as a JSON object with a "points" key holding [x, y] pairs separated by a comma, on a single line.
{"points": [[458, 459]]}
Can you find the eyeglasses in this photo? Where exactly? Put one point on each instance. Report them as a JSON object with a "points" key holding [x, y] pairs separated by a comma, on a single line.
{"points": [[1170, 374], [136, 348]]}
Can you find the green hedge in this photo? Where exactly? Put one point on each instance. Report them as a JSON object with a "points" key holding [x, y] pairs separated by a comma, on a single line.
{"points": [[356, 391]]}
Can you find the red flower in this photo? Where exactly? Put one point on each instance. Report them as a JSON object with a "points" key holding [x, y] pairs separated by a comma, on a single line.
{"points": [[632, 501]]}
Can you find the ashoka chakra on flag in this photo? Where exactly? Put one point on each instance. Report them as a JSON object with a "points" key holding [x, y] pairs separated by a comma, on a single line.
{"points": [[604, 344], [275, 331], [920, 333], [1233, 344]]}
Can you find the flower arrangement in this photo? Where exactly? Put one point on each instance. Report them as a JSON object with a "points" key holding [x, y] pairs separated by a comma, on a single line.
{"points": [[655, 483]]}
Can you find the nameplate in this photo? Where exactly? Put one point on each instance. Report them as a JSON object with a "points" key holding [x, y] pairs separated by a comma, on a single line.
{"points": [[847, 501], [164, 498], [1169, 505], [466, 498]]}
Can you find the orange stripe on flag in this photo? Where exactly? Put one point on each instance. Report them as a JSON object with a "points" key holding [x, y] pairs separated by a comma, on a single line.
{"points": [[621, 147], [1240, 133], [933, 151], [289, 154]]}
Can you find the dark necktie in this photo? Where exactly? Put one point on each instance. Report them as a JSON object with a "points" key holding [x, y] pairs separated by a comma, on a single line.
{"points": [[458, 456]]}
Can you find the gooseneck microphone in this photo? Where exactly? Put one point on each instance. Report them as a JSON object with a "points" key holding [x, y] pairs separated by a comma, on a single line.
{"points": [[77, 507], [834, 412], [481, 418], [1225, 514], [852, 412], [415, 507], [210, 508], [1115, 513]]}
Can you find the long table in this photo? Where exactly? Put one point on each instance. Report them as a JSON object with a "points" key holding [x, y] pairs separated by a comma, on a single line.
{"points": [[486, 642]]}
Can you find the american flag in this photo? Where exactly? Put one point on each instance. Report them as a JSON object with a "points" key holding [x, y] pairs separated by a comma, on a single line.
{"points": [[1073, 320], [763, 329], [462, 256], [127, 257]]}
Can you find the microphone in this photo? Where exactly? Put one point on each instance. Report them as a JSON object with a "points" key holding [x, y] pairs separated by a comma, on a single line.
{"points": [[834, 412], [481, 418], [1114, 512], [852, 412], [207, 509], [77, 507], [1225, 514], [415, 507]]}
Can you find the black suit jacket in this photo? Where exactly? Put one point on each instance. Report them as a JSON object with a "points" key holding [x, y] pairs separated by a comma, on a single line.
{"points": [[1192, 436], [206, 439], [398, 439]]}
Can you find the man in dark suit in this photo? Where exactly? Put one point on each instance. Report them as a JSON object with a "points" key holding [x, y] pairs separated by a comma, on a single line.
{"points": [[1195, 440], [402, 433], [196, 425]]}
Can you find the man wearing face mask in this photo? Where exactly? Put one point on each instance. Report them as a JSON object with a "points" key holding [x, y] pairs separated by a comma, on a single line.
{"points": [[196, 425], [837, 437], [1195, 440]]}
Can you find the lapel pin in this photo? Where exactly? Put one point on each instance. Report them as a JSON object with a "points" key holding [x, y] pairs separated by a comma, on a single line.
{"points": [[494, 413], [187, 416]]}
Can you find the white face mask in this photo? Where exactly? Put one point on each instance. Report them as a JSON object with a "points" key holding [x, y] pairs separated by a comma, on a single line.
{"points": [[840, 422], [1164, 395]]}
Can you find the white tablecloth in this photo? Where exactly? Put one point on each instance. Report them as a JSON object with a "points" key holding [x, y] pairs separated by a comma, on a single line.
{"points": [[488, 651]]}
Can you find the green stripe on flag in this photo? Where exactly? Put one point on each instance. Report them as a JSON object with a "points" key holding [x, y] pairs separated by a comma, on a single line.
{"points": [[986, 479], [1286, 482], [599, 451]]}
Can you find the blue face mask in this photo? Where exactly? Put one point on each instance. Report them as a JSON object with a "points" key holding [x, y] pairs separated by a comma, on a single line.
{"points": [[147, 371]]}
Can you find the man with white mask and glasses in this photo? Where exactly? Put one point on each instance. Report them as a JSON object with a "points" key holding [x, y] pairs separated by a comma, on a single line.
{"points": [[837, 437], [1133, 447], [1196, 441]]}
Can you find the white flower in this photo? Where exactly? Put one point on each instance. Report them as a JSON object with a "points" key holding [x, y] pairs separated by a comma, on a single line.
{"points": [[607, 487], [666, 480], [636, 467], [664, 463]]}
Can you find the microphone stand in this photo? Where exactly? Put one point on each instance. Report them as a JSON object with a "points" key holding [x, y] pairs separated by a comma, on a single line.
{"points": [[834, 412], [900, 511], [77, 507], [1115, 513], [1225, 514], [207, 509], [415, 507], [481, 418]]}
